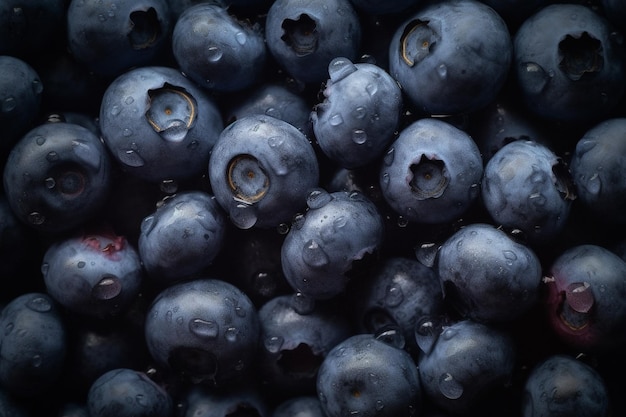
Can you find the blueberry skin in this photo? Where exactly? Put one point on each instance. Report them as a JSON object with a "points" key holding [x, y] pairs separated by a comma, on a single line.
{"points": [[431, 173], [526, 186], [110, 38], [200, 401], [95, 274], [33, 345], [158, 124], [400, 292], [567, 64], [126, 392], [182, 237], [261, 169], [585, 306], [216, 50], [562, 386], [295, 341], [57, 177], [206, 330], [486, 275], [303, 38], [598, 170], [360, 113], [20, 100], [451, 57], [368, 376], [303, 406], [467, 362], [324, 247]]}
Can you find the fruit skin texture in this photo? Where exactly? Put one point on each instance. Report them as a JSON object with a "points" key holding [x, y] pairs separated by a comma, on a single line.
{"points": [[561, 386], [366, 375], [431, 173], [451, 57], [598, 169], [568, 65], [486, 275], [586, 301]]}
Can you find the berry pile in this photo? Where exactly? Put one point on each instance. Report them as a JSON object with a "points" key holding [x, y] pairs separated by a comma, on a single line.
{"points": [[326, 208]]}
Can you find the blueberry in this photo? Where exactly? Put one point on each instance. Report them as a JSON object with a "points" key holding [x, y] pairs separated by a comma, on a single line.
{"points": [[467, 363], [33, 345], [526, 186], [96, 274], [158, 124], [598, 170], [216, 50], [20, 100], [431, 173], [398, 294], [295, 341], [182, 237], [486, 275], [359, 115], [367, 376], [261, 169], [563, 386], [585, 302], [451, 56], [200, 401], [568, 65], [303, 39], [206, 330], [110, 38], [302, 406], [57, 177], [331, 243], [125, 392]]}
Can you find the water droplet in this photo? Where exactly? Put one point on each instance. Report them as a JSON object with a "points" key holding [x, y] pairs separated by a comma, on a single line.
{"points": [[510, 256], [579, 297], [36, 361], [214, 54], [240, 311], [241, 38], [39, 304], [206, 329], [9, 104], [535, 77], [50, 182], [129, 100], [102, 17], [379, 405], [130, 157], [389, 156], [313, 255], [175, 132], [360, 112], [298, 221], [359, 136], [81, 264], [302, 304], [537, 199], [427, 332], [40, 140], [442, 70], [168, 186], [339, 222], [392, 336], [450, 387], [318, 198], [115, 110], [282, 229], [340, 68], [385, 179], [371, 89], [426, 254], [52, 156], [448, 333], [593, 184], [393, 296], [107, 288], [336, 119], [231, 334], [402, 221], [45, 267], [275, 141], [193, 145], [243, 215], [273, 344], [36, 218]]}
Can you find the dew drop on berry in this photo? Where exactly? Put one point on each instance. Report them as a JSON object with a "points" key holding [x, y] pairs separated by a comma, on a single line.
{"points": [[340, 68], [214, 54], [231, 334], [243, 215], [359, 136], [391, 336], [314, 255], [36, 218], [389, 156], [393, 296], [273, 344], [130, 158], [336, 119], [205, 329], [9, 104], [318, 198], [302, 304], [450, 387], [107, 288], [39, 304], [579, 296]]}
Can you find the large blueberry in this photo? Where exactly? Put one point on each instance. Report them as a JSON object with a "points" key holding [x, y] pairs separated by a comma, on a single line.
{"points": [[568, 63], [586, 304], [158, 124], [57, 176], [182, 236], [526, 186], [359, 115], [111, 37], [366, 376], [431, 173], [217, 50], [486, 275], [302, 35], [451, 56], [206, 330], [202, 401], [599, 171], [467, 362], [261, 170], [331, 242], [96, 274]]}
